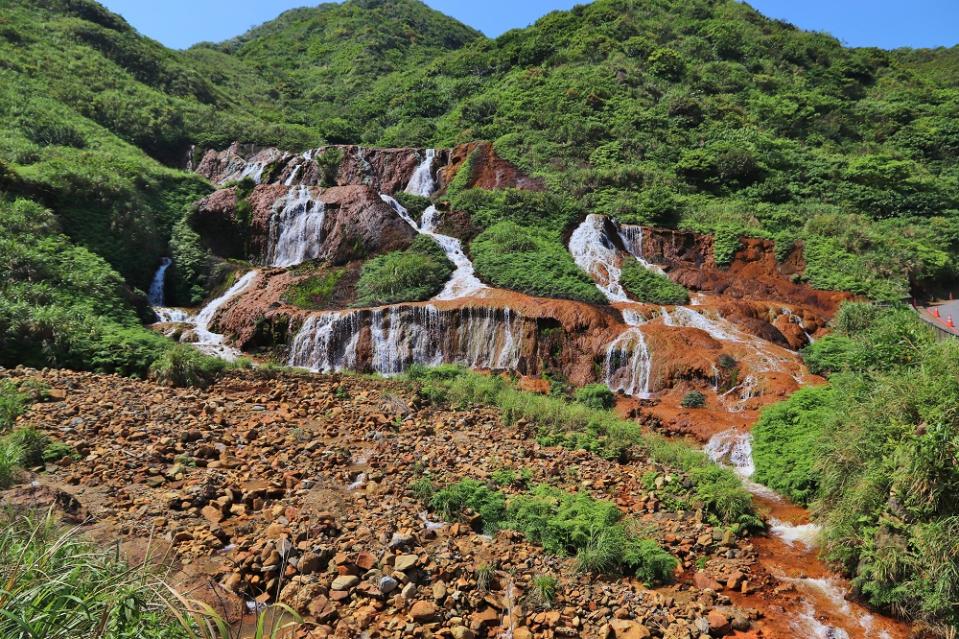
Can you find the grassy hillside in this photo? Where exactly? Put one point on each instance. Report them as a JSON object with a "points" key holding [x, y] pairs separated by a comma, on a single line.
{"points": [[335, 61], [875, 452], [92, 114], [704, 114]]}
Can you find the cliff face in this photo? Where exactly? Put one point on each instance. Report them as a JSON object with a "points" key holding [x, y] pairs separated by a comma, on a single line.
{"points": [[307, 213]]}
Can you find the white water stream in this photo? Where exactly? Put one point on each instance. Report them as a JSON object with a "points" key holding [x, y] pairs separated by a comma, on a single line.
{"points": [[296, 228], [734, 448], [206, 341], [487, 338], [463, 281]]}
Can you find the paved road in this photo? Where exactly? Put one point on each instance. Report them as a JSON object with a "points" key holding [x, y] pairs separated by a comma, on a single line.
{"points": [[946, 310]]}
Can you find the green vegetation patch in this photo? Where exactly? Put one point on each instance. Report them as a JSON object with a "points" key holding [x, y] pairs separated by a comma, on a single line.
{"points": [[532, 261], [875, 453], [415, 274], [651, 287], [564, 524], [571, 424], [315, 291], [60, 304]]}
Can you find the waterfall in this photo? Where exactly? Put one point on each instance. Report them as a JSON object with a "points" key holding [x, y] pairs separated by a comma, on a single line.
{"points": [[213, 343], [628, 364], [253, 170], [156, 297], [404, 335], [422, 182], [296, 228], [631, 235], [293, 175], [594, 252], [155, 294], [463, 281]]}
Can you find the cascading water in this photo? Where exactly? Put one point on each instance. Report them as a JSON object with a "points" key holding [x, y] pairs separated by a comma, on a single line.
{"points": [[631, 235], [213, 343], [734, 448], [156, 297], [628, 364], [463, 281], [594, 252], [400, 336], [296, 228], [422, 182]]}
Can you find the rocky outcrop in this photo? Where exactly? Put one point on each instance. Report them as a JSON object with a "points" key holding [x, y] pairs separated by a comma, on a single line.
{"points": [[487, 169], [386, 170], [754, 272], [352, 222]]}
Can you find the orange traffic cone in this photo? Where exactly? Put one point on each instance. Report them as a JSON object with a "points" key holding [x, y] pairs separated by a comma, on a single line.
{"points": [[935, 311], [949, 322]]}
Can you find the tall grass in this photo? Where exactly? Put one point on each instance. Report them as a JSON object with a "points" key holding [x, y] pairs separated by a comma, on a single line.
{"points": [[55, 585], [576, 425]]}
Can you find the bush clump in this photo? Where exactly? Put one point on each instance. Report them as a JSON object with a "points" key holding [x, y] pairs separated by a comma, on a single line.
{"points": [[693, 399], [454, 501], [183, 366], [415, 274], [12, 404], [315, 291], [532, 261], [596, 396], [651, 287]]}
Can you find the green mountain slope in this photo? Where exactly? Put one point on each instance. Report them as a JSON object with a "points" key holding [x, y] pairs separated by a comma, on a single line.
{"points": [[333, 60], [702, 113]]}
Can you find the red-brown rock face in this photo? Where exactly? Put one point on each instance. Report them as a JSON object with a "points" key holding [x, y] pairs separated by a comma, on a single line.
{"points": [[488, 170], [385, 170], [355, 222], [753, 273]]}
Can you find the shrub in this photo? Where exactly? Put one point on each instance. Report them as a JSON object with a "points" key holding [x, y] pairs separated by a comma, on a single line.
{"points": [[596, 396], [651, 287], [10, 455], [532, 261], [314, 292], [414, 204], [693, 399], [55, 451], [455, 500], [12, 404], [786, 439], [543, 590], [404, 276], [30, 443], [183, 366]]}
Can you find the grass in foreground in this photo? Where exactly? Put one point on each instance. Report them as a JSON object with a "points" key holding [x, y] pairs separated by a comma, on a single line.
{"points": [[55, 585]]}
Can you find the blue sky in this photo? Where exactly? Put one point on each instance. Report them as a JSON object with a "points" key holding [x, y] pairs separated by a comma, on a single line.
{"points": [[881, 23]]}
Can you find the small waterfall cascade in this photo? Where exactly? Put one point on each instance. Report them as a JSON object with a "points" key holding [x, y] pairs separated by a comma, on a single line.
{"points": [[156, 297], [463, 281], [628, 364], [254, 171], [734, 448], [400, 336], [296, 228], [594, 252], [213, 343], [631, 235], [155, 294], [422, 182]]}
